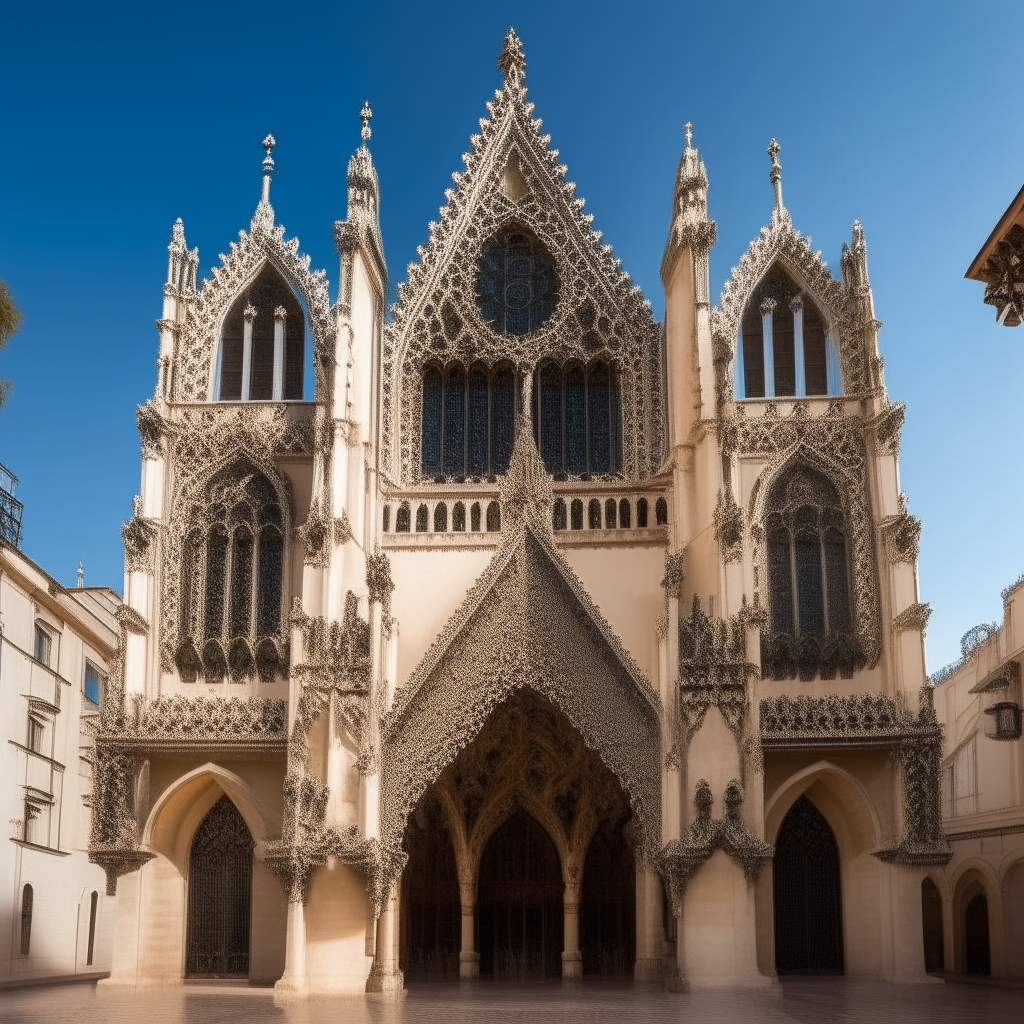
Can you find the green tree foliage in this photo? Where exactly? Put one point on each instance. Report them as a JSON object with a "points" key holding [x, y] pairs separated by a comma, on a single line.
{"points": [[10, 321]]}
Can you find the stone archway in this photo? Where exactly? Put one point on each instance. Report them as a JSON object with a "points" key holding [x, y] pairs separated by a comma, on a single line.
{"points": [[526, 791]]}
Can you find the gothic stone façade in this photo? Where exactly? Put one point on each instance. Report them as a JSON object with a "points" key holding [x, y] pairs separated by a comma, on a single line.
{"points": [[545, 639]]}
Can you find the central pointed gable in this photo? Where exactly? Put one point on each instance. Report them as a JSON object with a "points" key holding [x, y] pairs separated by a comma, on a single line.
{"points": [[527, 622], [513, 178]]}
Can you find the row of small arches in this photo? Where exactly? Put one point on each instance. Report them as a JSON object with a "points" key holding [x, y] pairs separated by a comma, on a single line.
{"points": [[611, 515], [486, 517], [481, 519]]}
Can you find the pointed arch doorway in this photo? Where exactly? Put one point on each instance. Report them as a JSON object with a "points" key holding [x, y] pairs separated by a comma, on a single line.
{"points": [[523, 837], [219, 895], [807, 894]]}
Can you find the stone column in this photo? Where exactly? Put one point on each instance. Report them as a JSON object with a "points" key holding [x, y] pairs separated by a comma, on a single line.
{"points": [[250, 314], [649, 930], [294, 981], [572, 958], [469, 958], [386, 978], [767, 305], [797, 306], [280, 317]]}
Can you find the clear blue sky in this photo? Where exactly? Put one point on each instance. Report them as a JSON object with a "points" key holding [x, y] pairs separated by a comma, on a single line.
{"points": [[116, 119]]}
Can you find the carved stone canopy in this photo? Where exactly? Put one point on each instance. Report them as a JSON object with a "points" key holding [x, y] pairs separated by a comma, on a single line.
{"points": [[528, 622]]}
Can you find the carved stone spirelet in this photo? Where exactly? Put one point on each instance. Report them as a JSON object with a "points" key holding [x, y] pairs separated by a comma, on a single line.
{"points": [[901, 535]]}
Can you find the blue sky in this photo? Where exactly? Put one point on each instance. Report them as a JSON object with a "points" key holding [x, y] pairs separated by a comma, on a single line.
{"points": [[116, 119]]}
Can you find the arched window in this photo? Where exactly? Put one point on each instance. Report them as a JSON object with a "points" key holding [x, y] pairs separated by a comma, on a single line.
{"points": [[440, 517], [516, 287], [594, 514], [90, 949], [262, 346], [661, 512], [577, 419], [610, 514], [493, 517], [576, 514], [459, 517], [558, 515], [625, 514], [809, 594], [232, 580], [474, 517], [402, 518], [468, 421], [421, 519], [27, 899], [641, 513], [785, 348]]}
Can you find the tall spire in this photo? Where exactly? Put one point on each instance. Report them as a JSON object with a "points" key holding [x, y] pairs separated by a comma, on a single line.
{"points": [[268, 143], [263, 219], [512, 60], [780, 213]]}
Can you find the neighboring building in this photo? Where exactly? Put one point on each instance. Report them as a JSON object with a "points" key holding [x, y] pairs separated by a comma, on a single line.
{"points": [[1000, 264], [544, 639], [976, 921], [56, 647]]}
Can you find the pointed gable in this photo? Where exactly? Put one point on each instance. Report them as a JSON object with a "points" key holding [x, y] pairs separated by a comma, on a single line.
{"points": [[527, 622], [513, 180]]}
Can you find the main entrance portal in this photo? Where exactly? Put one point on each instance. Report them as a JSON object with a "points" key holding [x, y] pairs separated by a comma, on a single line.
{"points": [[519, 863]]}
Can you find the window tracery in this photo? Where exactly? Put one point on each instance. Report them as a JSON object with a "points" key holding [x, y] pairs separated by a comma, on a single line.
{"points": [[577, 420], [811, 626], [468, 421], [233, 579], [517, 286]]}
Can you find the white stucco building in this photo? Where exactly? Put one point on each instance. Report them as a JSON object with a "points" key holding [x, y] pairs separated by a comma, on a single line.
{"points": [[55, 649]]}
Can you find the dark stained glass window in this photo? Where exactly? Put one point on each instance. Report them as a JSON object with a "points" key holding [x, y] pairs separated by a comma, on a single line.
{"points": [[468, 421], [517, 287], [576, 419]]}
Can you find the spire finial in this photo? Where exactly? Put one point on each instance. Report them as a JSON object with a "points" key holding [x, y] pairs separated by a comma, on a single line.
{"points": [[776, 174], [268, 143], [81, 575], [512, 60], [366, 114], [688, 129]]}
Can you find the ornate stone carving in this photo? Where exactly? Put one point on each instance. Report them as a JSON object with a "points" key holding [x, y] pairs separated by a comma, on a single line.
{"points": [[914, 616], [204, 719], [679, 859], [901, 535], [140, 538], [729, 526], [527, 622], [601, 313], [151, 429]]}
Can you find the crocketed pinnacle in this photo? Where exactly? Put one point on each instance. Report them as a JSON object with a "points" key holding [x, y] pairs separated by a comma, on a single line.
{"points": [[366, 114], [779, 214], [512, 60], [264, 216]]}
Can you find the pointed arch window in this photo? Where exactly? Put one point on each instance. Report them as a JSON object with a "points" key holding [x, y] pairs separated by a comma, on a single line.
{"points": [[517, 286], [232, 581], [785, 348], [468, 421], [811, 628], [577, 419], [262, 344]]}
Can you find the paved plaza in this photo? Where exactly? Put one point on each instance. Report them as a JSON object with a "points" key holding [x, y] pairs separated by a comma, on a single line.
{"points": [[810, 1000]]}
